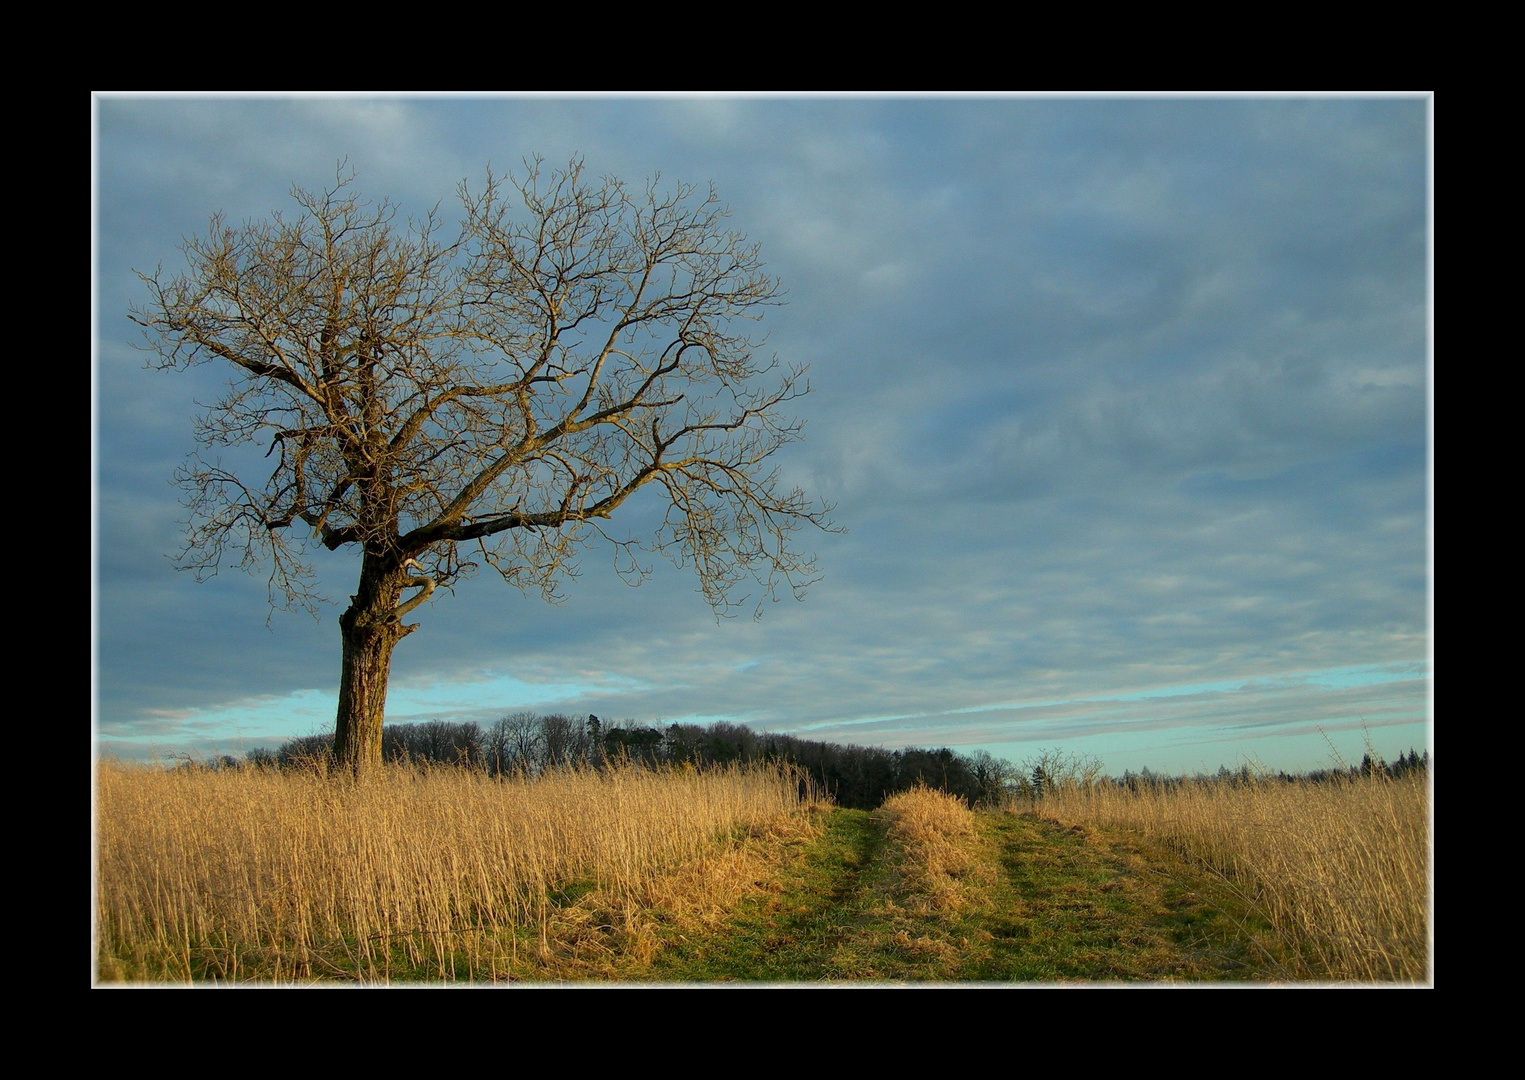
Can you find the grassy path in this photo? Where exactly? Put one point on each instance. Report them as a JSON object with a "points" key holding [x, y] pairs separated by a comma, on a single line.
{"points": [[796, 931], [1086, 906], [1040, 903]]}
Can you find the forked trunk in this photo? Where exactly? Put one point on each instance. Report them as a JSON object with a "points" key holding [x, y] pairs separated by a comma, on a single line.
{"points": [[371, 628]]}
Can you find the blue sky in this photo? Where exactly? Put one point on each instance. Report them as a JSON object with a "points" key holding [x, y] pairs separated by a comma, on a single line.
{"points": [[1123, 403]]}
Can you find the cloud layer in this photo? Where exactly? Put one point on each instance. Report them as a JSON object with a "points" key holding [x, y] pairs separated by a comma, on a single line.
{"points": [[1114, 397]]}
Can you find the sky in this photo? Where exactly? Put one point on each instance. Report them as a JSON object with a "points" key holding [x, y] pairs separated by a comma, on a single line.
{"points": [[1124, 405]]}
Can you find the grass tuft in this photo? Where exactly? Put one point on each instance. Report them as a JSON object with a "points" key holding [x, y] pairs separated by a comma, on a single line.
{"points": [[938, 844]]}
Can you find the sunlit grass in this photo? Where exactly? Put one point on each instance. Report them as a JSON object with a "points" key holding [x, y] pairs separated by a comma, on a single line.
{"points": [[414, 874], [936, 839], [1340, 869]]}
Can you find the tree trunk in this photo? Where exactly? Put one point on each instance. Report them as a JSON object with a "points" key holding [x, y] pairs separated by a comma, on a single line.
{"points": [[371, 629]]}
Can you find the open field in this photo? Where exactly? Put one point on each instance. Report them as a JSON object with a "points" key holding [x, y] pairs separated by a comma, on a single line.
{"points": [[682, 875], [1340, 869]]}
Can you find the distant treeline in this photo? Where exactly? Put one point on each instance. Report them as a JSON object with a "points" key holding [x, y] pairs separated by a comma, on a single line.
{"points": [[859, 777], [1371, 765], [523, 742]]}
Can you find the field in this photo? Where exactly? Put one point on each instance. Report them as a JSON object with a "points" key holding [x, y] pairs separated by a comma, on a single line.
{"points": [[1340, 869], [642, 875]]}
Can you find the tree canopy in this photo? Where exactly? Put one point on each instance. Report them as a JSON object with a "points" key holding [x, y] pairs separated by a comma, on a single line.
{"points": [[493, 398]]}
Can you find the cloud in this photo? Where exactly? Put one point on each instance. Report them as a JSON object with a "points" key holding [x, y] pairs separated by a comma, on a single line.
{"points": [[1111, 395]]}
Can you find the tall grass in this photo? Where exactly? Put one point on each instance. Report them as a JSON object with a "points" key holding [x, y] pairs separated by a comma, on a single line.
{"points": [[413, 874], [1339, 869], [936, 837]]}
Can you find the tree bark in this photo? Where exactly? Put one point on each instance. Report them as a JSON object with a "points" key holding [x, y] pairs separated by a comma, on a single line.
{"points": [[370, 628]]}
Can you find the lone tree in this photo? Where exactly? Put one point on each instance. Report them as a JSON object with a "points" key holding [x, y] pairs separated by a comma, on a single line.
{"points": [[498, 396]]}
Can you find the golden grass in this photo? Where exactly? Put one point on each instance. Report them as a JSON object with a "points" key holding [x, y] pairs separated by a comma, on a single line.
{"points": [[1340, 870], [411, 875], [937, 840]]}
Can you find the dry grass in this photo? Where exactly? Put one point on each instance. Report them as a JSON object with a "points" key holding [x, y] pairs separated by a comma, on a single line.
{"points": [[415, 874], [938, 845], [1340, 870]]}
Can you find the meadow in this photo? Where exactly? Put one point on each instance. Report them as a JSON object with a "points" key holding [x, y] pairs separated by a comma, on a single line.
{"points": [[636, 873], [1339, 868], [417, 874]]}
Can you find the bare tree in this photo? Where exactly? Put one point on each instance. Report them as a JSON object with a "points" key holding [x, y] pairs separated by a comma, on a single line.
{"points": [[495, 397], [558, 740], [1054, 768], [520, 735]]}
